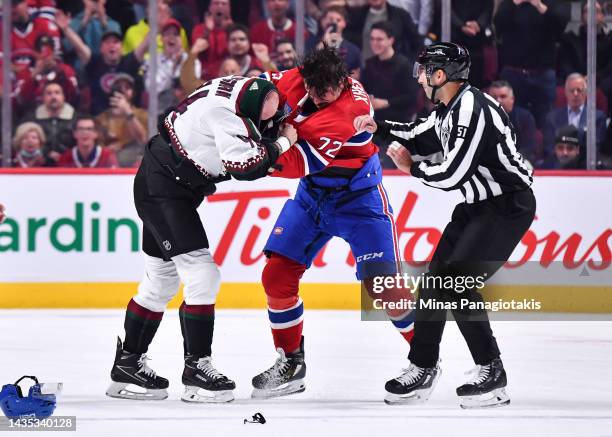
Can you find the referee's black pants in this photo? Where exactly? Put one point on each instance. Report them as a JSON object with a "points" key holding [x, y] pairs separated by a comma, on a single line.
{"points": [[478, 240]]}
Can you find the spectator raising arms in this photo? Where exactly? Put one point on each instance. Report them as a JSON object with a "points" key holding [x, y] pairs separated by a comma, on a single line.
{"points": [[87, 152], [101, 69], [28, 146], [90, 25], [48, 68], [212, 32]]}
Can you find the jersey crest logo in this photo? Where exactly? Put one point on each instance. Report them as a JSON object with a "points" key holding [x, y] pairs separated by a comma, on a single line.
{"points": [[254, 87], [167, 245]]}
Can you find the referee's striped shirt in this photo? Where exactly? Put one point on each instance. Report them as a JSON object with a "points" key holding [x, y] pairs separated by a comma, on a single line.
{"points": [[468, 145]]}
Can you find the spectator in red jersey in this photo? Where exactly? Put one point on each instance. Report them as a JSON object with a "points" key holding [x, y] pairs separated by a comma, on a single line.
{"points": [[28, 145], [212, 31], [278, 26], [26, 31], [48, 68], [87, 152], [55, 116]]}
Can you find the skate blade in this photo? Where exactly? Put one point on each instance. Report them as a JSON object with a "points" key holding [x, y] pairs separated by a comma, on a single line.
{"points": [[415, 398], [292, 387], [495, 398], [123, 390], [199, 395]]}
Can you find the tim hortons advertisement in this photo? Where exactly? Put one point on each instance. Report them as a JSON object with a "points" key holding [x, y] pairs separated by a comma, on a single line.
{"points": [[84, 228]]}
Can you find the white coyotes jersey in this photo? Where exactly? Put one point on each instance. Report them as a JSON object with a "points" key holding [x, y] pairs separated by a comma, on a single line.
{"points": [[209, 131]]}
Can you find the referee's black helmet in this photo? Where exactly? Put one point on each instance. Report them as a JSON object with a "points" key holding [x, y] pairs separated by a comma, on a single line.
{"points": [[449, 57]]}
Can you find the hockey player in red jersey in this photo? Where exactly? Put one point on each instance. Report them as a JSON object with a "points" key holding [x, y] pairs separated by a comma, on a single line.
{"points": [[340, 194]]}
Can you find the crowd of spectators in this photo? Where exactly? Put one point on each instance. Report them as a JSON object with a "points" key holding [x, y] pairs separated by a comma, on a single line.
{"points": [[80, 67]]}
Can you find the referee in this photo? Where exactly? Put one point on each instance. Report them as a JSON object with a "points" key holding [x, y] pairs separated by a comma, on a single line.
{"points": [[466, 144]]}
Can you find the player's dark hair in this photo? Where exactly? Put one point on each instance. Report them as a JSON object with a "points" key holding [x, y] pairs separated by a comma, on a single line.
{"points": [[323, 69], [386, 27]]}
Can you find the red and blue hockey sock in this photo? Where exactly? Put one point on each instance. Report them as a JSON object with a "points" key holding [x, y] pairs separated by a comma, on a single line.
{"points": [[287, 326]]}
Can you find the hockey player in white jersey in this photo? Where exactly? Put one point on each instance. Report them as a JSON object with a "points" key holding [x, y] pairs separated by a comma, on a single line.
{"points": [[211, 136]]}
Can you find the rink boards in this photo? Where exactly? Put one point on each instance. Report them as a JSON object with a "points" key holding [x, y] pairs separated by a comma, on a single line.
{"points": [[73, 241]]}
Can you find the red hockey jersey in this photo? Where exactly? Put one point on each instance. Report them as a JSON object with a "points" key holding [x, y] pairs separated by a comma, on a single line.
{"points": [[326, 138]]}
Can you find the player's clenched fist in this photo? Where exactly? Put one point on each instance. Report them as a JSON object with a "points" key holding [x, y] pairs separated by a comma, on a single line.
{"points": [[400, 156], [364, 123], [289, 132], [2, 215]]}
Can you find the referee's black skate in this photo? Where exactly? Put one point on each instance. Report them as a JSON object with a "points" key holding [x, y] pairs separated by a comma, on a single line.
{"points": [[204, 383], [486, 388], [413, 386], [133, 379], [285, 377]]}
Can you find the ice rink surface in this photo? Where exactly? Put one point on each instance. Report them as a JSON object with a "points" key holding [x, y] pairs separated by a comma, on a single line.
{"points": [[560, 377]]}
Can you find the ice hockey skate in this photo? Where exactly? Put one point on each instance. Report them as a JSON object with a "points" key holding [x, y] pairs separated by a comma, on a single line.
{"points": [[486, 388], [204, 383], [133, 379], [285, 377], [413, 386]]}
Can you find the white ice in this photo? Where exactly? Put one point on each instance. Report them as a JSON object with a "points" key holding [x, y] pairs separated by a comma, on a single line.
{"points": [[560, 377]]}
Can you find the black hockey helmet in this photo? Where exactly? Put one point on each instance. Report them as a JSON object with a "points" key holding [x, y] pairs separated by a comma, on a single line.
{"points": [[449, 57]]}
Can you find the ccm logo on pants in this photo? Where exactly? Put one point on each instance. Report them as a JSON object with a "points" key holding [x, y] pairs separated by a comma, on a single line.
{"points": [[369, 256]]}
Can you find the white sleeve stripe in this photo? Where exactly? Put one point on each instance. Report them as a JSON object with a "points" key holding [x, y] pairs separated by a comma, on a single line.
{"points": [[464, 165], [495, 188], [304, 157], [317, 155], [482, 192]]}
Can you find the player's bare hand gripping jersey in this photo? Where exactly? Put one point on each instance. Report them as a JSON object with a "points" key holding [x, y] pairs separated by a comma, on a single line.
{"points": [[327, 140]]}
